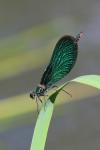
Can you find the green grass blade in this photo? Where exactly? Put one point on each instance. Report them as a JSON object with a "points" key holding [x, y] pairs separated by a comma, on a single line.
{"points": [[42, 125], [92, 80], [43, 121]]}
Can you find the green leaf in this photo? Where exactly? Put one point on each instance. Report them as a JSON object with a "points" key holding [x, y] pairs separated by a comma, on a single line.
{"points": [[43, 121], [42, 125], [92, 80]]}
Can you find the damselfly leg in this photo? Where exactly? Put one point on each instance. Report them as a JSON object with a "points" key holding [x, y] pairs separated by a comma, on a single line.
{"points": [[36, 99], [55, 86]]}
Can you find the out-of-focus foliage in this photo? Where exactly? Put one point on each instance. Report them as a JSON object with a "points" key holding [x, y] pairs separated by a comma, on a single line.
{"points": [[20, 52]]}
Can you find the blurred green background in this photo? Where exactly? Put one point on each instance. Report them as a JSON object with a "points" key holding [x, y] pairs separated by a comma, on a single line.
{"points": [[29, 30]]}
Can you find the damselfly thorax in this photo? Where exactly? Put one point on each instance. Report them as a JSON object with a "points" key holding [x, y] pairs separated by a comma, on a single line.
{"points": [[62, 61]]}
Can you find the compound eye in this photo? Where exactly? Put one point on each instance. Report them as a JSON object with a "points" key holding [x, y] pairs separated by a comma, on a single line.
{"points": [[32, 95]]}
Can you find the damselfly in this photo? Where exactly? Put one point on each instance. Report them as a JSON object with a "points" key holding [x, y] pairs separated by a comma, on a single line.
{"points": [[62, 61]]}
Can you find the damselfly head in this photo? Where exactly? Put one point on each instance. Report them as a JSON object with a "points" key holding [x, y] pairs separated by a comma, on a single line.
{"points": [[38, 92]]}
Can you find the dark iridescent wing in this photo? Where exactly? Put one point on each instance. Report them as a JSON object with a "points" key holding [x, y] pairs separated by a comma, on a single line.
{"points": [[62, 61]]}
